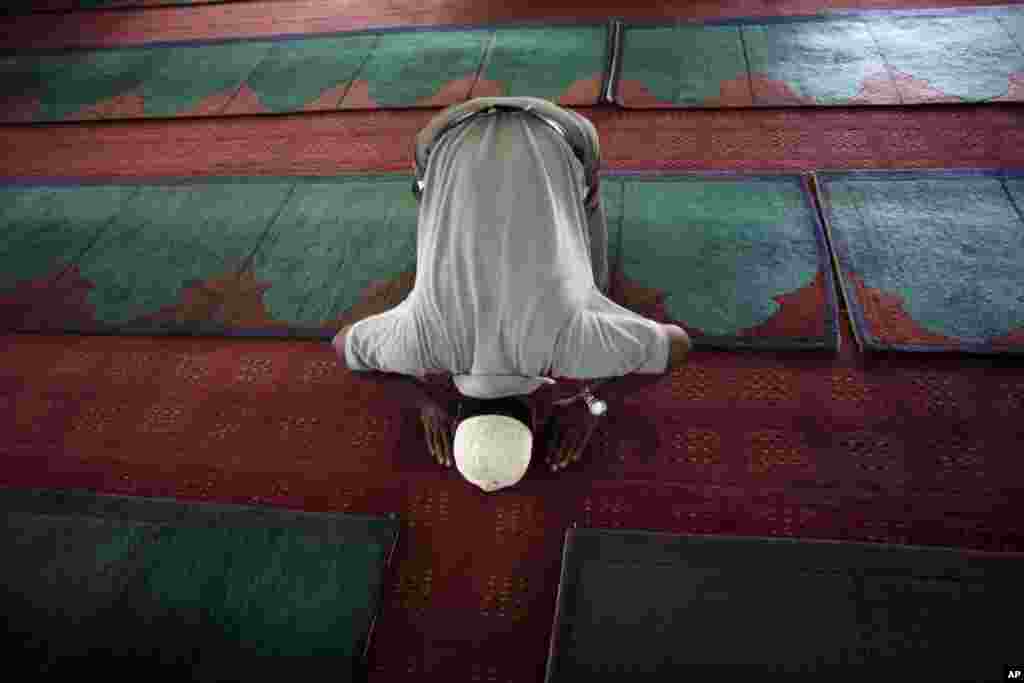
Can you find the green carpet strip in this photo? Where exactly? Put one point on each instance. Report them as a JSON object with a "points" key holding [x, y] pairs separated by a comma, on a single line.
{"points": [[864, 58], [740, 260], [661, 607], [359, 70], [857, 58], [930, 260], [211, 591]]}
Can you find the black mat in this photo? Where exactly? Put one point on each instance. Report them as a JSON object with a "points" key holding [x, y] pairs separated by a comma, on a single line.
{"points": [[644, 606], [112, 586]]}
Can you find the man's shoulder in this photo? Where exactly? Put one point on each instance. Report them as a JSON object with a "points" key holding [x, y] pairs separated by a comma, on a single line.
{"points": [[343, 333], [679, 346], [339, 342]]}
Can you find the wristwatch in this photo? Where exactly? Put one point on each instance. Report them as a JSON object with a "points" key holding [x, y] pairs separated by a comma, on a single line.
{"points": [[596, 406]]}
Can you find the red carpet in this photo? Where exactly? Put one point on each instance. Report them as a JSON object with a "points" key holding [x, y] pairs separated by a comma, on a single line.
{"points": [[916, 450]]}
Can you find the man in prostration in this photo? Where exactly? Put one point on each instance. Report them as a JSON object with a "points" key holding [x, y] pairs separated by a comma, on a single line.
{"points": [[511, 287]]}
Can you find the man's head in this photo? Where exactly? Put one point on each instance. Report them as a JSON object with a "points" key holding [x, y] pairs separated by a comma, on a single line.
{"points": [[494, 441]]}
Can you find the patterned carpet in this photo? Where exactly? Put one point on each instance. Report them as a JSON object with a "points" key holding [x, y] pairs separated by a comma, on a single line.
{"points": [[917, 450]]}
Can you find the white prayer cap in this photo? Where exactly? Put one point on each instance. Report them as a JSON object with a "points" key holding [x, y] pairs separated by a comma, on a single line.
{"points": [[492, 451]]}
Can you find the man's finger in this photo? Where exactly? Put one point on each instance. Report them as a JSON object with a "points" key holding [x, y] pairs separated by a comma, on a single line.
{"points": [[567, 456], [573, 452], [448, 442], [439, 454], [560, 450], [578, 453], [439, 433], [432, 443], [577, 443], [437, 445], [426, 434], [552, 443]]}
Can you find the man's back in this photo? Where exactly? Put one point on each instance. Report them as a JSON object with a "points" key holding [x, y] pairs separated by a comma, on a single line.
{"points": [[505, 279], [503, 255]]}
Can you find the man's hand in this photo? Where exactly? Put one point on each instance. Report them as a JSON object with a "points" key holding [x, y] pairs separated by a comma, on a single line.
{"points": [[439, 427], [567, 433]]}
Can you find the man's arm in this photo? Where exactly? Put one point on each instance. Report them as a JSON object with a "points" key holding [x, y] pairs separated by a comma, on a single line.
{"points": [[405, 387], [617, 388]]}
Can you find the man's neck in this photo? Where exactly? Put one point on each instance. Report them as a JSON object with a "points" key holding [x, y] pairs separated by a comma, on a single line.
{"points": [[530, 401]]}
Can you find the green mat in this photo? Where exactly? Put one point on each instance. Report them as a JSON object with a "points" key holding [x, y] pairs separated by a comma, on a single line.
{"points": [[209, 592], [643, 606], [930, 260], [740, 260], [420, 67], [829, 59]]}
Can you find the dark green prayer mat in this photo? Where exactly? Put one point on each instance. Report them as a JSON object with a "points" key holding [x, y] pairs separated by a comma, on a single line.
{"points": [[382, 68], [829, 59], [645, 606], [739, 261], [930, 260], [114, 585]]}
